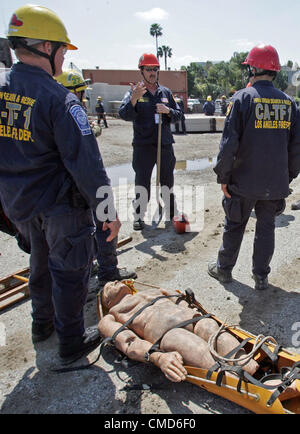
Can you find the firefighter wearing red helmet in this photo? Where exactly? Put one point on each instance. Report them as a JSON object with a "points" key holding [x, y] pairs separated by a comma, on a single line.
{"points": [[141, 105], [259, 157]]}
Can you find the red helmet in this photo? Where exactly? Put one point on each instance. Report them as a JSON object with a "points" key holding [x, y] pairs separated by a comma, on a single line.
{"points": [[148, 60], [181, 224], [263, 57]]}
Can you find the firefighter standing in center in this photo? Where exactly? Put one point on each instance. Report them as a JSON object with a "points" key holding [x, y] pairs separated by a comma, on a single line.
{"points": [[107, 269], [46, 146], [142, 105], [259, 157]]}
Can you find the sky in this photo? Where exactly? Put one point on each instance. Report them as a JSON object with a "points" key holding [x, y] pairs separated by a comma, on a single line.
{"points": [[113, 34]]}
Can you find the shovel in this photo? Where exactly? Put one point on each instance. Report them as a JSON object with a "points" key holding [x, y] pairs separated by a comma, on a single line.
{"points": [[160, 210]]}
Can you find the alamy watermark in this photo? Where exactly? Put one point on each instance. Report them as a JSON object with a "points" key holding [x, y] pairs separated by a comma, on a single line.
{"points": [[296, 335], [2, 335], [132, 203]]}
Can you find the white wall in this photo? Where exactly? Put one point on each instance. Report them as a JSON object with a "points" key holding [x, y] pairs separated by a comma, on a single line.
{"points": [[108, 93]]}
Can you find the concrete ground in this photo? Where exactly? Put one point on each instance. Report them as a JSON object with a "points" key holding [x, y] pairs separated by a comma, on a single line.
{"points": [[161, 257]]}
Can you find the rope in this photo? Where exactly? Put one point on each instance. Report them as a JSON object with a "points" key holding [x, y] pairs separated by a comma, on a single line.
{"points": [[243, 360]]}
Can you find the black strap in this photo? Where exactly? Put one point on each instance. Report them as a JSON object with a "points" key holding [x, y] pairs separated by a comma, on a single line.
{"points": [[156, 346], [230, 354], [111, 340]]}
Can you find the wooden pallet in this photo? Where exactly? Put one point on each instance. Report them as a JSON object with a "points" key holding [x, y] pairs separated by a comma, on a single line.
{"points": [[14, 288]]}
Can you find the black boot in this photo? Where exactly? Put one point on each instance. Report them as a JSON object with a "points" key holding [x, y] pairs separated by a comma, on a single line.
{"points": [[139, 225], [119, 274], [41, 331], [221, 275], [261, 283], [79, 346]]}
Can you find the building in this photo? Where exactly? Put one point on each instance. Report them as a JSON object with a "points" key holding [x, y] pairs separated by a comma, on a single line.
{"points": [[113, 84]]}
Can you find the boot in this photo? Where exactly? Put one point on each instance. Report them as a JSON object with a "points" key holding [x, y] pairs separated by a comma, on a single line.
{"points": [[119, 274], [80, 346], [138, 225], [221, 275], [41, 331], [261, 283], [295, 206]]}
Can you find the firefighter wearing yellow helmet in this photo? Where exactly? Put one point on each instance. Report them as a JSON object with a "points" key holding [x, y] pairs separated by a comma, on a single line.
{"points": [[46, 148], [75, 83], [31, 25]]}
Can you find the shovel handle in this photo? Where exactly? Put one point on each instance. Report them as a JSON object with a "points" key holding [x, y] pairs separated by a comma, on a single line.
{"points": [[158, 161]]}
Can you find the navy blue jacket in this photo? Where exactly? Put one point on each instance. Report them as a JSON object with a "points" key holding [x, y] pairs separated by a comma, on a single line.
{"points": [[99, 108], [260, 147], [209, 108], [46, 145], [145, 130]]}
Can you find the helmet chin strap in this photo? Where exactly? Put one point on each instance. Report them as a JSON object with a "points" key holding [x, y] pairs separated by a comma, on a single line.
{"points": [[15, 42], [261, 73]]}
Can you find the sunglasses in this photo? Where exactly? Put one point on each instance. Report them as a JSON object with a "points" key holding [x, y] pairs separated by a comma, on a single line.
{"points": [[65, 49], [155, 69]]}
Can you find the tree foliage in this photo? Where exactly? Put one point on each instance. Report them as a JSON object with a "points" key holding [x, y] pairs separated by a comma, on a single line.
{"points": [[165, 51], [156, 31], [222, 78]]}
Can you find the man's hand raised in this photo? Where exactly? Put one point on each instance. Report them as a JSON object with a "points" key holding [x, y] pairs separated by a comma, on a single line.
{"points": [[138, 91]]}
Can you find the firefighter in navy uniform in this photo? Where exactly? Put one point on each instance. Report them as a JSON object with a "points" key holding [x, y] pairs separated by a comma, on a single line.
{"points": [[107, 268], [259, 156], [46, 146], [101, 112], [141, 105], [180, 104]]}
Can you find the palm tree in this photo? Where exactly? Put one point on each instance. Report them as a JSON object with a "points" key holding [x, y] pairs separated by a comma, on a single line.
{"points": [[165, 51], [156, 30]]}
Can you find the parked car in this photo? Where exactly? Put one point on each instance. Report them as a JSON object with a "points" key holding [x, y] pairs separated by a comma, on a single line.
{"points": [[192, 103], [218, 110]]}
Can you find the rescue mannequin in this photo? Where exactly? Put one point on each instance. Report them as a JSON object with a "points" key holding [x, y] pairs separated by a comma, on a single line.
{"points": [[179, 345], [155, 321]]}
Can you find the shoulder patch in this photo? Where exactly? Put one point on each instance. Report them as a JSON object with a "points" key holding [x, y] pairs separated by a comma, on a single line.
{"points": [[230, 105], [81, 119]]}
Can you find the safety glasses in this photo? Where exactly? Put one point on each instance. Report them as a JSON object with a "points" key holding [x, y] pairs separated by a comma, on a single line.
{"points": [[65, 50], [154, 69]]}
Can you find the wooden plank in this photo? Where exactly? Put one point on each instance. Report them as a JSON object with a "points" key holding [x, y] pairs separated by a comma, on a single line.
{"points": [[11, 292]]}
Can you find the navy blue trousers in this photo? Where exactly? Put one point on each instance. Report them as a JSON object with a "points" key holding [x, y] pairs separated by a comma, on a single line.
{"points": [[144, 160], [264, 239], [63, 246]]}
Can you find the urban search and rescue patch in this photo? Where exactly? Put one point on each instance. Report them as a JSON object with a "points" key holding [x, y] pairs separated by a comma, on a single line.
{"points": [[230, 105], [81, 119]]}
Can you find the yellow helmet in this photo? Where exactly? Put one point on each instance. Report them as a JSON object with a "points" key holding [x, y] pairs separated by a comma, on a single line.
{"points": [[209, 98], [73, 81], [38, 23], [99, 98]]}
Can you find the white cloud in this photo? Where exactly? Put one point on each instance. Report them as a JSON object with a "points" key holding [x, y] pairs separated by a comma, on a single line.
{"points": [[142, 46], [154, 14], [243, 44]]}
